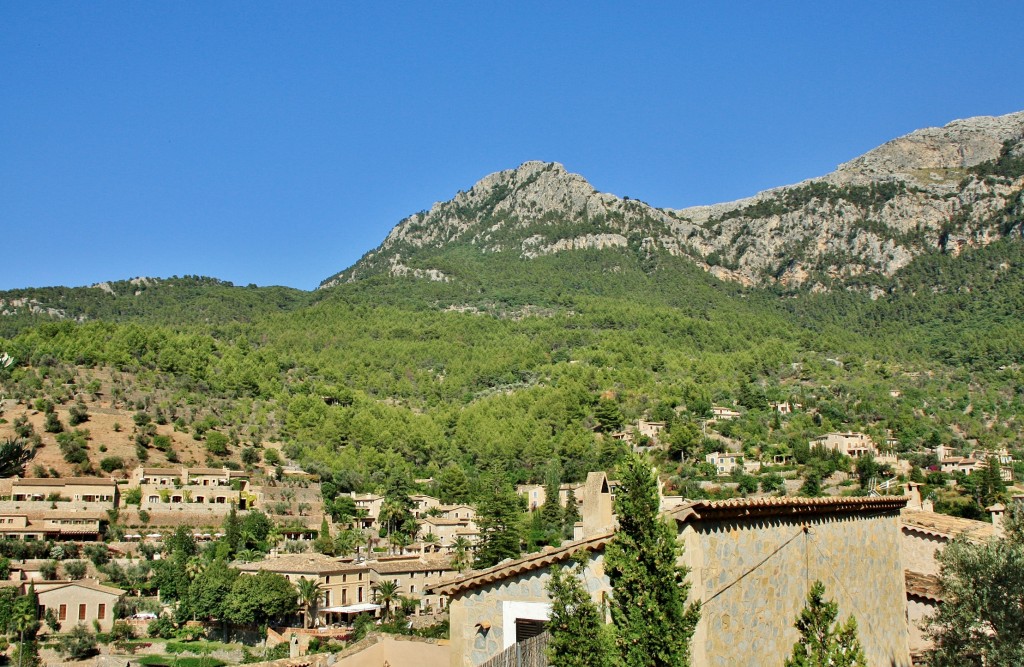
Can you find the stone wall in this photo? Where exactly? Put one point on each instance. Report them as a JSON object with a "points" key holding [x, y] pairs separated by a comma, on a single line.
{"points": [[919, 550], [753, 578], [478, 616]]}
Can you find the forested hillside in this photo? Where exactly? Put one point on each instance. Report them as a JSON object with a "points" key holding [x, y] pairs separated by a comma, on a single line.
{"points": [[524, 363]]}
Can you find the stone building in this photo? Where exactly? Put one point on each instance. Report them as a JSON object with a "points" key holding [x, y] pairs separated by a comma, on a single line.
{"points": [[751, 564], [854, 445], [923, 534], [76, 602]]}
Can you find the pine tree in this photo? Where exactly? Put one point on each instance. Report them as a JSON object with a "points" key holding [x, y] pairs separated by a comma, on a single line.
{"points": [[579, 636], [551, 511], [498, 519], [653, 624], [822, 643]]}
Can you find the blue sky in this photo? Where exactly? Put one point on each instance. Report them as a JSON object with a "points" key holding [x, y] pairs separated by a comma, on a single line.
{"points": [[275, 143]]}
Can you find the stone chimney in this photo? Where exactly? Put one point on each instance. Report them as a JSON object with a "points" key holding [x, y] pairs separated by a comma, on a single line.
{"points": [[997, 511], [597, 505], [913, 491]]}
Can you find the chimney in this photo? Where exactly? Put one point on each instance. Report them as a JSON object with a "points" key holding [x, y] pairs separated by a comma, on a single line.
{"points": [[913, 490], [597, 505], [997, 511]]}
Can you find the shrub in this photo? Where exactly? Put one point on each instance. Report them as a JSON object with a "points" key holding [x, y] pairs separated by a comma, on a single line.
{"points": [[217, 443], [112, 463]]}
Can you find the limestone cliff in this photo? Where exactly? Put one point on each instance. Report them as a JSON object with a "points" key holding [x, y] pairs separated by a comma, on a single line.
{"points": [[934, 189]]}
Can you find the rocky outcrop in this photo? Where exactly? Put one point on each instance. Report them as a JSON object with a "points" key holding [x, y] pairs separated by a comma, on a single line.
{"points": [[872, 216]]}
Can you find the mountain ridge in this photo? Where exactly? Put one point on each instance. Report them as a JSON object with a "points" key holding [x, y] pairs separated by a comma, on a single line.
{"points": [[870, 217]]}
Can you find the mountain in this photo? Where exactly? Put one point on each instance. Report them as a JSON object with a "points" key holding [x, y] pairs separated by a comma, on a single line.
{"points": [[188, 299], [934, 190]]}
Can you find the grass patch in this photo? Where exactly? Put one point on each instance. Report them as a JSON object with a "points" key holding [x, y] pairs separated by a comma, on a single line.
{"points": [[175, 661]]}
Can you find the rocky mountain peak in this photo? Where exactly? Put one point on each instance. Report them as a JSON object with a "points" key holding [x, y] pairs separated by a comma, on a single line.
{"points": [[957, 145], [926, 191]]}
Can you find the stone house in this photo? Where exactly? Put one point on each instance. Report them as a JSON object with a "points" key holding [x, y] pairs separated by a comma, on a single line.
{"points": [[421, 504], [447, 530], [370, 504], [854, 445], [723, 413], [459, 511], [751, 564], [91, 490], [535, 495], [73, 525], [347, 584], [77, 602], [724, 462]]}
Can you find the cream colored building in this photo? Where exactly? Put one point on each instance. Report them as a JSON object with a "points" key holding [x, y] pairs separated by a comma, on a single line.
{"points": [[849, 444], [94, 490], [78, 602]]}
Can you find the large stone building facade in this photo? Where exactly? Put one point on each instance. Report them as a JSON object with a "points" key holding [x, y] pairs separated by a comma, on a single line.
{"points": [[751, 562]]}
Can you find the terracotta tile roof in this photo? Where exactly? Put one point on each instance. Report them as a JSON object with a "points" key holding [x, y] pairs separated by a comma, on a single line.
{"points": [[47, 586], [943, 525], [702, 510], [923, 585], [307, 563], [64, 481], [410, 565], [161, 471], [527, 563]]}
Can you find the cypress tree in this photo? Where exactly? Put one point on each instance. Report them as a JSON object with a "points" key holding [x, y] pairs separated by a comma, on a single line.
{"points": [[579, 637], [653, 624], [498, 518]]}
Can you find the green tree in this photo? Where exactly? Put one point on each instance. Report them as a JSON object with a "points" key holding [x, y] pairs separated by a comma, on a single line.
{"points": [[14, 454], [24, 622], [608, 415], [653, 624], [460, 556], [821, 643], [979, 623], [310, 591], [579, 636], [208, 592], [256, 600], [386, 593], [216, 443], [78, 644], [74, 569], [453, 485], [498, 517], [684, 441], [323, 543]]}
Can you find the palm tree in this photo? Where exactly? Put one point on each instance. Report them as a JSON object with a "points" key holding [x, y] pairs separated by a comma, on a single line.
{"points": [[386, 593], [24, 619], [309, 598], [400, 541], [431, 541], [461, 560], [14, 454]]}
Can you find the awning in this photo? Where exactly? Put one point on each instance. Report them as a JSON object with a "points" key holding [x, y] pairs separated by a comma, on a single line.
{"points": [[351, 609]]}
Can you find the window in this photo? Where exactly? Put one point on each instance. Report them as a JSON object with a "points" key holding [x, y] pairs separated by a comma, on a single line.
{"points": [[62, 613], [81, 612], [527, 628], [101, 612], [360, 593]]}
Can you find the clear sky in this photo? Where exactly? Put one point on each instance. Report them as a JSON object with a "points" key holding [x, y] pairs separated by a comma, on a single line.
{"points": [[276, 142]]}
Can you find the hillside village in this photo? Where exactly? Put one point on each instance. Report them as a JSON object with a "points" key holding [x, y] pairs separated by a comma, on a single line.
{"points": [[816, 389], [91, 547]]}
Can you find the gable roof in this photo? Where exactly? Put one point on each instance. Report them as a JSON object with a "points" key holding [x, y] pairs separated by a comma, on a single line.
{"points": [[50, 586], [716, 510], [528, 563], [945, 526]]}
